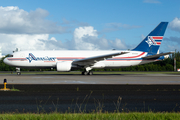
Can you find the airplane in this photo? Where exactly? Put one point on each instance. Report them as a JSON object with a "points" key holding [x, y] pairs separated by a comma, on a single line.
{"points": [[147, 51]]}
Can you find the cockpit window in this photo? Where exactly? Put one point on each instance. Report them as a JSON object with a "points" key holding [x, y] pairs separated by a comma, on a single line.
{"points": [[10, 55]]}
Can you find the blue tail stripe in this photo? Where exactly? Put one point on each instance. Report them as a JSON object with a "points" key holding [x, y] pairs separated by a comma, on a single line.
{"points": [[158, 40]]}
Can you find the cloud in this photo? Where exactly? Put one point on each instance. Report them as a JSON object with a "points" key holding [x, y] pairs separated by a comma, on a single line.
{"points": [[175, 24], [152, 1], [87, 38], [171, 43], [26, 42], [17, 21], [118, 26], [73, 23], [84, 38], [173, 39], [31, 30]]}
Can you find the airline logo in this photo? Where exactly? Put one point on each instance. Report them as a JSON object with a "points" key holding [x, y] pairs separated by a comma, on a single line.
{"points": [[46, 58], [154, 40]]}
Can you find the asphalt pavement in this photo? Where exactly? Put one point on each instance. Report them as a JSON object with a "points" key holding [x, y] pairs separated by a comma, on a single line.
{"points": [[43, 98], [91, 79]]}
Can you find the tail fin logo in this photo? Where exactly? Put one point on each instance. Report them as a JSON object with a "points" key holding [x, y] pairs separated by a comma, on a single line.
{"points": [[154, 40]]}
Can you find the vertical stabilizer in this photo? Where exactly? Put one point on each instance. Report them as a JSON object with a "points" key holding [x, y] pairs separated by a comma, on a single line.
{"points": [[152, 41]]}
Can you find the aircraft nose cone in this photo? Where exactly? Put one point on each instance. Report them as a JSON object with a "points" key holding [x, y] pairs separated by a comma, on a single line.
{"points": [[5, 61]]}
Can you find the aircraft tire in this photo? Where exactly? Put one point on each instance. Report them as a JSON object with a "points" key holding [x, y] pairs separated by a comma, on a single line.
{"points": [[90, 73], [85, 73], [18, 73]]}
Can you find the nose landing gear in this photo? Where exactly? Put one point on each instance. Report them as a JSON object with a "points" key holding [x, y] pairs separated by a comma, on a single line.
{"points": [[18, 71]]}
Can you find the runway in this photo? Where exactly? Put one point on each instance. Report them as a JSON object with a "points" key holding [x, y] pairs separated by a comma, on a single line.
{"points": [[94, 79], [97, 93]]}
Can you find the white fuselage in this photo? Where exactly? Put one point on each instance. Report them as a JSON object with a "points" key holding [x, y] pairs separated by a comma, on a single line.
{"points": [[42, 59]]}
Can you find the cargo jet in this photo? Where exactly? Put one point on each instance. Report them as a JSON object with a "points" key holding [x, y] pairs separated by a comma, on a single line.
{"points": [[145, 52]]}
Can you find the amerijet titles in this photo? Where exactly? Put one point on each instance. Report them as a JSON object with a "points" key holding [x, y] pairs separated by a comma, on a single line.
{"points": [[46, 58]]}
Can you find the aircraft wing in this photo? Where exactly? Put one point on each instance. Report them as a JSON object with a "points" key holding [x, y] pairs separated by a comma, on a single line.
{"points": [[91, 60], [157, 55]]}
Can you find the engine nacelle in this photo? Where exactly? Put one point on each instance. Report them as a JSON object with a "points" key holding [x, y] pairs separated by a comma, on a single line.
{"points": [[166, 56], [64, 66]]}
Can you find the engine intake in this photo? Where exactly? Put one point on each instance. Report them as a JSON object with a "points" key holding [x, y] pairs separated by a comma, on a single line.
{"points": [[64, 66]]}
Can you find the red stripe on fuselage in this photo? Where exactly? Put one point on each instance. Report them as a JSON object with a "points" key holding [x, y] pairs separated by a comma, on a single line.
{"points": [[69, 57], [131, 57], [17, 59], [65, 60]]}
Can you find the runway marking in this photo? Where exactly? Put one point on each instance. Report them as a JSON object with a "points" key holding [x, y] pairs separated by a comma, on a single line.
{"points": [[76, 82]]}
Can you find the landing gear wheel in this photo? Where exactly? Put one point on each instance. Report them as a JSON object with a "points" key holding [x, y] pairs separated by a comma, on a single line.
{"points": [[85, 73], [90, 73], [18, 73]]}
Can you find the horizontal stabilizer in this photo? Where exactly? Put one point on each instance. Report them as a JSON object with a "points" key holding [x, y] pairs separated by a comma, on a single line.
{"points": [[157, 55]]}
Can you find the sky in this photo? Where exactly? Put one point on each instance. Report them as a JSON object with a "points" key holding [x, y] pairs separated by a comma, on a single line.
{"points": [[86, 24]]}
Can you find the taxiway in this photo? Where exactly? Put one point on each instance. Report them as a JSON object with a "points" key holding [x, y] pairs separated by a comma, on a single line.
{"points": [[94, 79]]}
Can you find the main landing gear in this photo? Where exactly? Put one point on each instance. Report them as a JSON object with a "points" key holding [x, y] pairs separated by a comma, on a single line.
{"points": [[87, 73]]}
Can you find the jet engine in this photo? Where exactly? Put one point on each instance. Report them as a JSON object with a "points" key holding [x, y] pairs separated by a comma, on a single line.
{"points": [[64, 66], [166, 56]]}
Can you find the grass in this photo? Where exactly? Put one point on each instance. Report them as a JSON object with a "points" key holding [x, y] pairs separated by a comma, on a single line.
{"points": [[13, 89], [92, 116]]}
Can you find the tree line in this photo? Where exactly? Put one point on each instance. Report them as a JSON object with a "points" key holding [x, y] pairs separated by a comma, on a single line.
{"points": [[165, 65]]}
